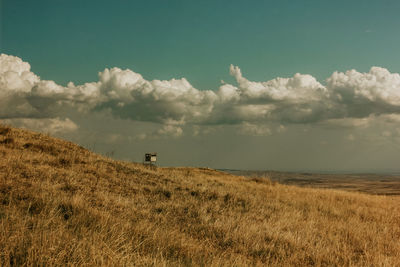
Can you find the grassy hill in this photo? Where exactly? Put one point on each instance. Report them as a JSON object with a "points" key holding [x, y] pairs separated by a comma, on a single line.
{"points": [[60, 204]]}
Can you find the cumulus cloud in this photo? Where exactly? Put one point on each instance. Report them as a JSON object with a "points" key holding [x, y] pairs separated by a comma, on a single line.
{"points": [[51, 126], [15, 75], [167, 130], [298, 89], [362, 94], [24, 95], [254, 130], [299, 99], [348, 122], [128, 95], [348, 99]]}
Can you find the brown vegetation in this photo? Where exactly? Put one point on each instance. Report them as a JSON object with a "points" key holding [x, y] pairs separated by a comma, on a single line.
{"points": [[63, 205]]}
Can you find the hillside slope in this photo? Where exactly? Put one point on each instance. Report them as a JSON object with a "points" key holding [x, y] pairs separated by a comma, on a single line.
{"points": [[61, 204]]}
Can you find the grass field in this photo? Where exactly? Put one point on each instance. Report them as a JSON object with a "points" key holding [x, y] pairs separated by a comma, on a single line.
{"points": [[60, 204], [376, 184]]}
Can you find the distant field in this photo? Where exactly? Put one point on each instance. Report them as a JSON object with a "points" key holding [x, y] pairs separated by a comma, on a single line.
{"points": [[377, 184]]}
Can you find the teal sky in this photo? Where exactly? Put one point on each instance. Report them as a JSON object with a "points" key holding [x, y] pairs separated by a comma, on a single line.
{"points": [[73, 40], [350, 123]]}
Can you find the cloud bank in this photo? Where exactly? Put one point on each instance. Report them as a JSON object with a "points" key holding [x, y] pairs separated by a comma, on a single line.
{"points": [[51, 126], [346, 99]]}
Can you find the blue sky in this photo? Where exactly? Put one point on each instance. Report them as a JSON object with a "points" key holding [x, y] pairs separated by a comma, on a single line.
{"points": [[333, 119], [73, 40]]}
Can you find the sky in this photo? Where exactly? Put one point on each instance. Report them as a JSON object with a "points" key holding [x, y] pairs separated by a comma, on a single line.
{"points": [[267, 85]]}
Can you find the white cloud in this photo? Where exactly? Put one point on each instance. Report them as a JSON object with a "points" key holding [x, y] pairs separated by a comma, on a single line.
{"points": [[362, 94], [167, 130], [349, 99], [348, 122], [170, 130], [254, 130], [130, 96], [15, 75], [298, 99], [298, 89], [51, 126]]}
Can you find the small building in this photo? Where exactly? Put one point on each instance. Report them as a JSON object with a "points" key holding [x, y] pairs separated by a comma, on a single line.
{"points": [[150, 158]]}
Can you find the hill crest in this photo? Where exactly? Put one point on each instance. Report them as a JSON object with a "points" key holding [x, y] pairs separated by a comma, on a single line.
{"points": [[62, 204]]}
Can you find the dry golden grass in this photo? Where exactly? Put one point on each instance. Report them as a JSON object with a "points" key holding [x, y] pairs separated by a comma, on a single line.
{"points": [[63, 205]]}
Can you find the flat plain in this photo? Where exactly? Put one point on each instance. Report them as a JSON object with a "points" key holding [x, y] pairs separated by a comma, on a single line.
{"points": [[370, 183]]}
